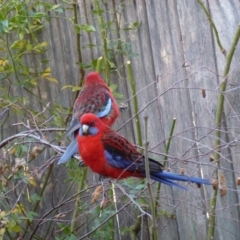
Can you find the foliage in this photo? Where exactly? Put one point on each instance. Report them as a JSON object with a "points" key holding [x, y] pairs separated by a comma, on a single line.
{"points": [[27, 184], [40, 200]]}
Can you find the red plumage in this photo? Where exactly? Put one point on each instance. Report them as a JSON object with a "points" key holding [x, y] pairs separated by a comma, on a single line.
{"points": [[92, 99], [95, 97], [92, 149], [110, 154]]}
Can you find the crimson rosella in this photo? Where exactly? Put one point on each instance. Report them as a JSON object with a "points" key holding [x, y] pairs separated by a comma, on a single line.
{"points": [[111, 155], [95, 97]]}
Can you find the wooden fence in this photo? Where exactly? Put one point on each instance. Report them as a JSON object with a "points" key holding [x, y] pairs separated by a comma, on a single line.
{"points": [[179, 67]]}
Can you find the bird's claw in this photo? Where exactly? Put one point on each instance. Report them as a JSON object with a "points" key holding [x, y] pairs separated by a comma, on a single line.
{"points": [[81, 164]]}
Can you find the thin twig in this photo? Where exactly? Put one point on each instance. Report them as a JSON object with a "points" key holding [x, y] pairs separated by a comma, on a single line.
{"points": [[214, 28], [165, 160], [99, 65], [30, 135], [104, 40], [132, 200], [148, 180], [135, 103]]}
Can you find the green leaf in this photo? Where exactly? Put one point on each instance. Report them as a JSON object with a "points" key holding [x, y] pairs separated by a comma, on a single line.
{"points": [[117, 95], [39, 15], [43, 44], [113, 87], [20, 44], [46, 72], [112, 65], [44, 61], [77, 28], [135, 24], [35, 197], [140, 186], [67, 86], [84, 65], [57, 8], [16, 228], [64, 228], [4, 24], [98, 12], [24, 148], [12, 226], [31, 215], [2, 231], [131, 55], [91, 45], [132, 26], [87, 28], [51, 79], [74, 88], [71, 237]]}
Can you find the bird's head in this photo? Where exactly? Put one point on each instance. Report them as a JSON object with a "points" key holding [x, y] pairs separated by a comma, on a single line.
{"points": [[90, 125], [94, 78]]}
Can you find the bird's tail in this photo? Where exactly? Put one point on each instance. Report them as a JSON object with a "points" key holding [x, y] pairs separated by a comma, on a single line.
{"points": [[70, 151], [166, 177]]}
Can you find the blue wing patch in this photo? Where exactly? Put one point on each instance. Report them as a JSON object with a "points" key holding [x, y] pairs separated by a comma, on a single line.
{"points": [[118, 162], [106, 110]]}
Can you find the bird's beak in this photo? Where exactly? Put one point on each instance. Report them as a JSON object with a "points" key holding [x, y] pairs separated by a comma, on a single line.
{"points": [[85, 129]]}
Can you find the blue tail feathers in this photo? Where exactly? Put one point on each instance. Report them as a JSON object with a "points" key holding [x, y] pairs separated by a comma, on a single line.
{"points": [[166, 177], [70, 151]]}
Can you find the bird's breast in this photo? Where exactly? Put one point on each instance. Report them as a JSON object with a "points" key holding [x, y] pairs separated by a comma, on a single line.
{"points": [[92, 154]]}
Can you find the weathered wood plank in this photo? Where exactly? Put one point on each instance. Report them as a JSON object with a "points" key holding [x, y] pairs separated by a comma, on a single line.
{"points": [[176, 45]]}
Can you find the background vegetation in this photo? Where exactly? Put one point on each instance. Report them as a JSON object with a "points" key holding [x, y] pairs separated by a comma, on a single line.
{"points": [[175, 63]]}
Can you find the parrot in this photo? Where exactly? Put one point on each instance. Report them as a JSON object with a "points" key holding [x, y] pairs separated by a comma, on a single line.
{"points": [[96, 98], [111, 155]]}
